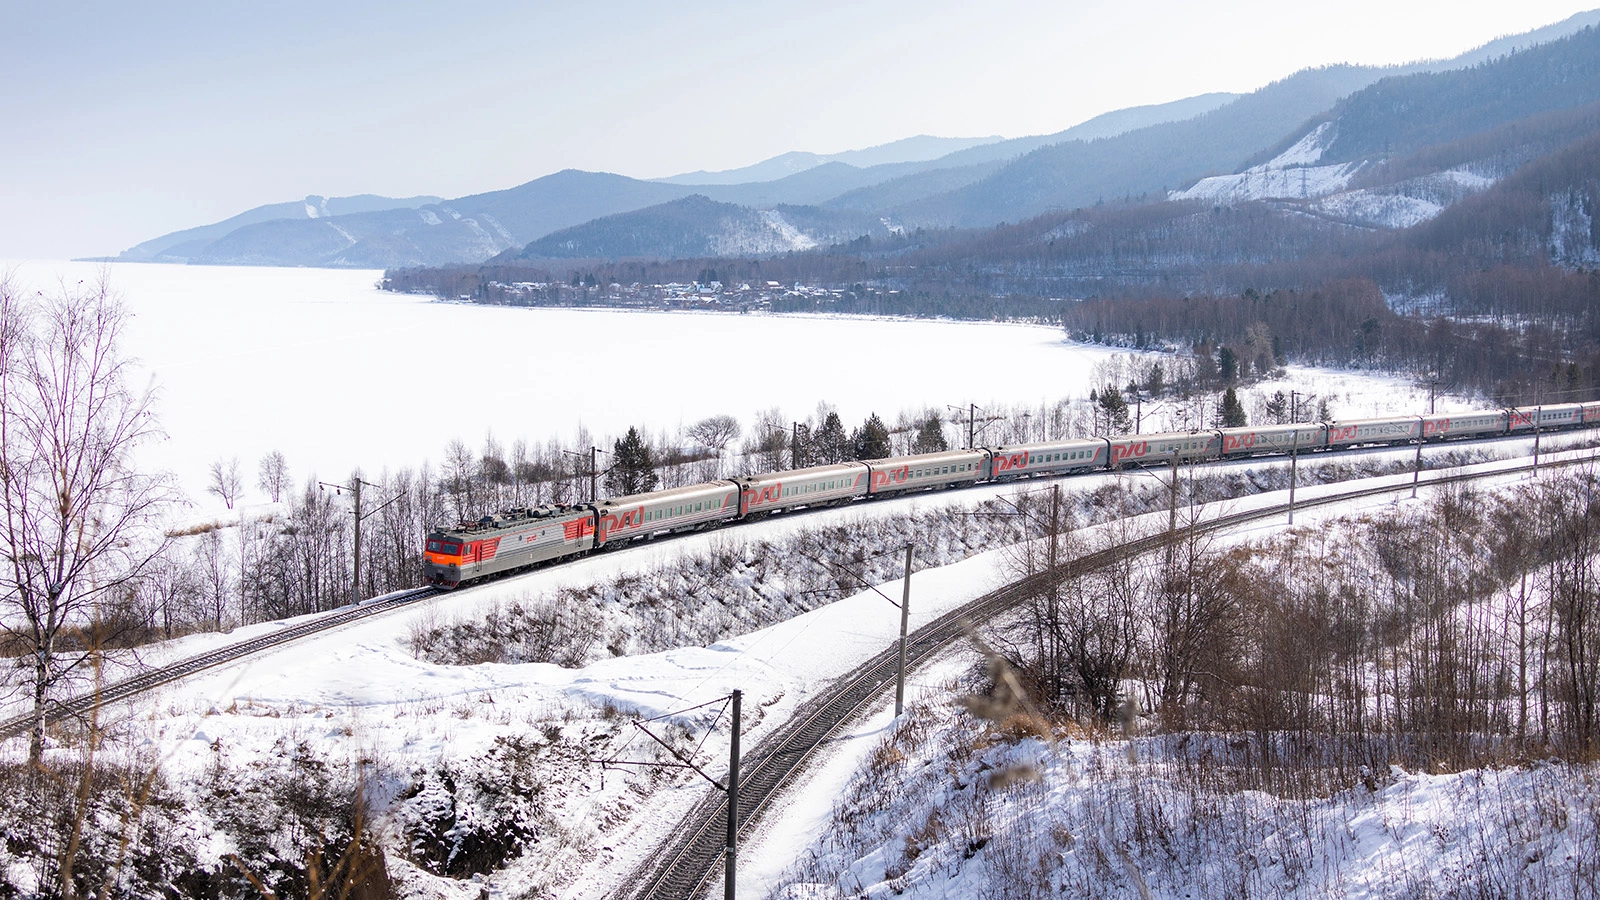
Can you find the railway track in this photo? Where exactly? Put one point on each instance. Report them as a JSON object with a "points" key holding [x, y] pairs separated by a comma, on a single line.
{"points": [[689, 862], [84, 704]]}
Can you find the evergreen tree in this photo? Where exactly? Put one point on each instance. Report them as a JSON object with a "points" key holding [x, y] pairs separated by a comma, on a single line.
{"points": [[930, 437], [633, 466], [1231, 413], [1115, 411], [1156, 381], [831, 444], [871, 440], [1228, 365], [1278, 408]]}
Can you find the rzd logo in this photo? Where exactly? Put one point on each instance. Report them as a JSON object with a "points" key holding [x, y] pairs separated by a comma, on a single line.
{"points": [[629, 519], [768, 494], [883, 478], [1234, 442], [1131, 450], [1014, 461], [1431, 428], [1342, 433]]}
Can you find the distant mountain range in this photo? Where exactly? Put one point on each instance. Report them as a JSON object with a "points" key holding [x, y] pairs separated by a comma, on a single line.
{"points": [[1312, 140]]}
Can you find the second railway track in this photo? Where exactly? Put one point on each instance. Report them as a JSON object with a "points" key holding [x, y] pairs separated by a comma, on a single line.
{"points": [[689, 862]]}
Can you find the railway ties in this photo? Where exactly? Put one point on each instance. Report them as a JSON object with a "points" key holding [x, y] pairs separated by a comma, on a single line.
{"points": [[116, 692]]}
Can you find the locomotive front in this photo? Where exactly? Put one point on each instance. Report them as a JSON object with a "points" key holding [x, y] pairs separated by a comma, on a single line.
{"points": [[444, 560]]}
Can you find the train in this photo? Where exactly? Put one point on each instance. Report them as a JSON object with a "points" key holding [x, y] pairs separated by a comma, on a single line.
{"points": [[521, 538]]}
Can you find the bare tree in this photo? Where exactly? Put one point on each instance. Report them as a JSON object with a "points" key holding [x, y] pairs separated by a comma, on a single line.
{"points": [[77, 530], [715, 432], [225, 481], [273, 476]]}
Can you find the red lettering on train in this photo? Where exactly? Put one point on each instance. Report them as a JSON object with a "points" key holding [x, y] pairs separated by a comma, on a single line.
{"points": [[1014, 461], [770, 493], [882, 478], [1132, 449]]}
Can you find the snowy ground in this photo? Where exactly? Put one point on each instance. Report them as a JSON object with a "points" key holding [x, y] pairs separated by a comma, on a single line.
{"points": [[319, 363], [357, 692]]}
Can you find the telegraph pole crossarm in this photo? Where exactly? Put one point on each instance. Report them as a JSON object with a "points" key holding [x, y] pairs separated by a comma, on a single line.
{"points": [[354, 487]]}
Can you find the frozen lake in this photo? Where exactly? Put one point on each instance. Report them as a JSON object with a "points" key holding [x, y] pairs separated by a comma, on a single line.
{"points": [[335, 373]]}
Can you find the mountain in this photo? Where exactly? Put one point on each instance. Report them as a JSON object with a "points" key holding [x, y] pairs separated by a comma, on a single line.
{"points": [[912, 149], [1139, 163], [181, 246], [471, 228], [1406, 148], [696, 227], [1217, 148]]}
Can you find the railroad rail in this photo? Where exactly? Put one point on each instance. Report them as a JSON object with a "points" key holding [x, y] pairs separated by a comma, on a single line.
{"points": [[689, 862], [84, 704]]}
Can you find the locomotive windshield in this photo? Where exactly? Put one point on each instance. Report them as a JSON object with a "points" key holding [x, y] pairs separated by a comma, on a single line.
{"points": [[446, 547]]}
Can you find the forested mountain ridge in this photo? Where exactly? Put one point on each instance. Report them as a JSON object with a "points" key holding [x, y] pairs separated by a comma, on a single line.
{"points": [[1128, 156], [697, 226]]}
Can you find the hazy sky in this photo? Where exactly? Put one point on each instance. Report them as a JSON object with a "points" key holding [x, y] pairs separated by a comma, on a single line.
{"points": [[128, 120]]}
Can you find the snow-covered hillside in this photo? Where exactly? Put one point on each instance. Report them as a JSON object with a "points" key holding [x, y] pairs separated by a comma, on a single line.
{"points": [[1294, 178], [493, 766], [1291, 174]]}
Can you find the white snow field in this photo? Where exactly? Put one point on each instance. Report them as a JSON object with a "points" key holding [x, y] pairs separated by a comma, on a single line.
{"points": [[323, 366], [357, 693]]}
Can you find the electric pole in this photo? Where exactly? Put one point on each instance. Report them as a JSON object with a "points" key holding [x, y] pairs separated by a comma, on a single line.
{"points": [[1294, 448], [733, 802], [905, 616], [686, 761], [594, 468], [354, 487]]}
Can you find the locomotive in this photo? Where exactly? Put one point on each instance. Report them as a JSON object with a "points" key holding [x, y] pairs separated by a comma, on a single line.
{"points": [[519, 538]]}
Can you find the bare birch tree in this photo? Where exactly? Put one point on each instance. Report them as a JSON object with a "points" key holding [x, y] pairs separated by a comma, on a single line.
{"points": [[76, 533]]}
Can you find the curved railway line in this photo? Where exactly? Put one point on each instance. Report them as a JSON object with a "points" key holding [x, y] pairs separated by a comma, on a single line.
{"points": [[84, 704], [689, 861]]}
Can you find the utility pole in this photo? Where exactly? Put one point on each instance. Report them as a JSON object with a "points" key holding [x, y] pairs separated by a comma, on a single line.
{"points": [[905, 616], [594, 468], [733, 802], [1172, 499], [1294, 448], [354, 487], [1138, 410], [1416, 467], [971, 410], [1433, 390], [1538, 419], [797, 455], [686, 761]]}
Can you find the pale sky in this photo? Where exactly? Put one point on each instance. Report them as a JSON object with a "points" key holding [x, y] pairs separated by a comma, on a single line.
{"points": [[129, 120]]}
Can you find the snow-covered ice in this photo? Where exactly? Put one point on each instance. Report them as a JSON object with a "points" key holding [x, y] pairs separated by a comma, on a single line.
{"points": [[324, 367]]}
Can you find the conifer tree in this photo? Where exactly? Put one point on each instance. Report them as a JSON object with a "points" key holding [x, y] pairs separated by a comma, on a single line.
{"points": [[831, 444], [1231, 413], [871, 440], [1115, 410], [930, 437], [633, 466]]}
